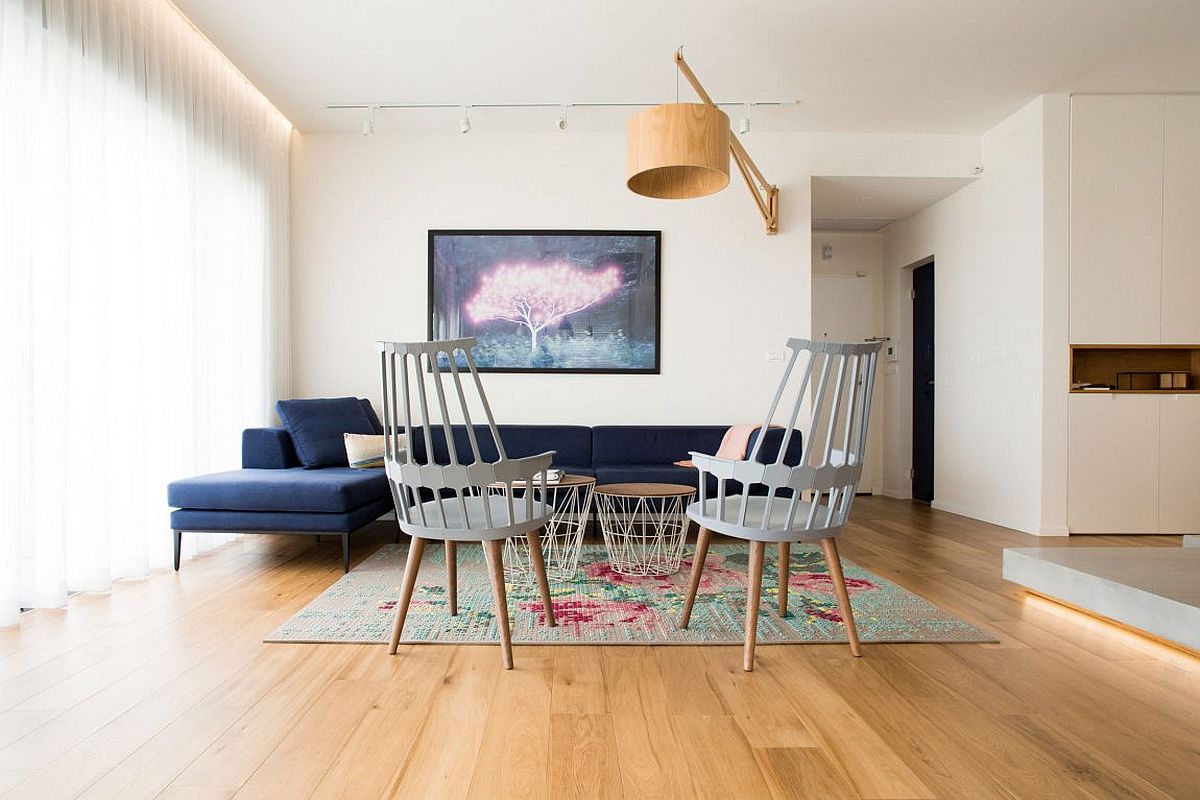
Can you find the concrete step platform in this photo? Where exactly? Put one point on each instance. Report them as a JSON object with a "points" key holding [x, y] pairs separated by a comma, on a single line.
{"points": [[1153, 589]]}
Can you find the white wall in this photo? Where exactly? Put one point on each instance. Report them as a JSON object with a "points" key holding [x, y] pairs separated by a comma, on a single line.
{"points": [[994, 302], [361, 208], [847, 305]]}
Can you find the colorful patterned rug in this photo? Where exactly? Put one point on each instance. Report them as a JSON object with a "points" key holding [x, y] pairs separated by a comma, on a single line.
{"points": [[603, 607]]}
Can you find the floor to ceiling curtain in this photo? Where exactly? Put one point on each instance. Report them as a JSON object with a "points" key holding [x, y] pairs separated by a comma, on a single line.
{"points": [[143, 284]]}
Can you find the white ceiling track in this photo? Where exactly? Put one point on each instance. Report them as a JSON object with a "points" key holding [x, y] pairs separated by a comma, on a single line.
{"points": [[381, 106]]}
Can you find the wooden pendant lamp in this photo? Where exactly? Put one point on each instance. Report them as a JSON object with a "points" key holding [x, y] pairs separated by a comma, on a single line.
{"points": [[677, 151]]}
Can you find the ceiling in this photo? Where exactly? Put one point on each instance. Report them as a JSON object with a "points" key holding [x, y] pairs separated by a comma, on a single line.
{"points": [[944, 66], [868, 204]]}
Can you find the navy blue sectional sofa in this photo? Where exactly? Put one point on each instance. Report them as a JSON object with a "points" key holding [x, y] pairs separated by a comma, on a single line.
{"points": [[274, 493]]}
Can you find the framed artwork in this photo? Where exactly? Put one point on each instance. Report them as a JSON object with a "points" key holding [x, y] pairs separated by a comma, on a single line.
{"points": [[549, 301]]}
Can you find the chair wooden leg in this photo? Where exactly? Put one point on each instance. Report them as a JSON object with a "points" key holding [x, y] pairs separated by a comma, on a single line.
{"points": [[753, 595], [178, 547], [416, 549], [494, 551], [452, 576], [702, 539], [834, 563], [785, 574], [539, 569]]}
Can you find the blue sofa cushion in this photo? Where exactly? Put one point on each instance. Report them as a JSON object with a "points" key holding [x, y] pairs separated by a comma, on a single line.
{"points": [[316, 427], [331, 490], [189, 519], [572, 444], [771, 443], [268, 448], [371, 415], [658, 445]]}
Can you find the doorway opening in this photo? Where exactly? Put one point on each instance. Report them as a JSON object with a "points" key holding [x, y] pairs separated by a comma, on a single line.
{"points": [[923, 383]]}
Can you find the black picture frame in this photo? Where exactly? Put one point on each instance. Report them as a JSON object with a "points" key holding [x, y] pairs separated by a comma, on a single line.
{"points": [[454, 330]]}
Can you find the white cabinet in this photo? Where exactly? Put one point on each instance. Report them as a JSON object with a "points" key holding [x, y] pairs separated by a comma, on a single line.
{"points": [[1113, 463], [1181, 222], [1134, 463], [1116, 219], [1179, 463]]}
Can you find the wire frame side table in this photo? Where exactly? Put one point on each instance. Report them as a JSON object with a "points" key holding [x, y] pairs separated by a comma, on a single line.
{"points": [[571, 499], [644, 525]]}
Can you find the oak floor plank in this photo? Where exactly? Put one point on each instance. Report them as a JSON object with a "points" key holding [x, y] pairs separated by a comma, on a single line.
{"points": [[230, 759], [150, 768], [735, 773], [578, 682], [650, 754], [793, 772], [844, 736], [514, 756], [685, 673], [755, 702], [446, 747], [302, 758], [388, 730], [583, 757]]}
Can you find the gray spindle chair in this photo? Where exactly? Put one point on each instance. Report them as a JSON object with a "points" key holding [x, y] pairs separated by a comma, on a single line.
{"points": [[808, 502], [451, 502]]}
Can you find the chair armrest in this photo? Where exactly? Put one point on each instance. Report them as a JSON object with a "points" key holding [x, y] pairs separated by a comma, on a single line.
{"points": [[524, 469], [719, 467], [268, 448], [743, 471]]}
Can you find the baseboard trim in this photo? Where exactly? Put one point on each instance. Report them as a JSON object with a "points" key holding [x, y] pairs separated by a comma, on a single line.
{"points": [[965, 512]]}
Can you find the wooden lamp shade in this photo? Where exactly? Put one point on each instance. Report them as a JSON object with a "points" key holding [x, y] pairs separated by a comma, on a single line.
{"points": [[677, 151]]}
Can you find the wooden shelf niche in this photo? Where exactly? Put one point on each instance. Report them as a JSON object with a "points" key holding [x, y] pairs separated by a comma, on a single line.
{"points": [[1137, 369]]}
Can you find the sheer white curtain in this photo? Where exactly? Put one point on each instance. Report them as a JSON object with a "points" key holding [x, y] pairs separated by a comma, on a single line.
{"points": [[143, 283]]}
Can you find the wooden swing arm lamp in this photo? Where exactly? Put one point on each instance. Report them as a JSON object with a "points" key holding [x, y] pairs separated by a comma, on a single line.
{"points": [[678, 151], [765, 194]]}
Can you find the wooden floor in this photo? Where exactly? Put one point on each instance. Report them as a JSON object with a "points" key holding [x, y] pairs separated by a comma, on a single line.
{"points": [[163, 688]]}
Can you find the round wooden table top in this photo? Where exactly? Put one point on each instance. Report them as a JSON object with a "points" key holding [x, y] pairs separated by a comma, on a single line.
{"points": [[565, 480], [646, 489]]}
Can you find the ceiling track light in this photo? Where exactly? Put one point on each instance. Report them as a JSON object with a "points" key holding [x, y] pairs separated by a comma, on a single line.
{"points": [[561, 122], [744, 122], [369, 122], [464, 124]]}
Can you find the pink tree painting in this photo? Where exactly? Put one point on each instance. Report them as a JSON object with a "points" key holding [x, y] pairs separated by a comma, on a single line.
{"points": [[539, 296]]}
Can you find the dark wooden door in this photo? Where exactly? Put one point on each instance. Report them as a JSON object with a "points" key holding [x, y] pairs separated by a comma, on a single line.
{"points": [[922, 443]]}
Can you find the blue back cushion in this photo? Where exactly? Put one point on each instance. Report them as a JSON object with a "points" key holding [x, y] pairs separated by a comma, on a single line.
{"points": [[371, 415], [771, 443], [572, 444], [653, 444], [268, 448], [316, 427]]}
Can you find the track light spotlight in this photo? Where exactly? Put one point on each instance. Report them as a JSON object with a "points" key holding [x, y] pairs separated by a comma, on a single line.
{"points": [[561, 122], [369, 122], [744, 122], [464, 124]]}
